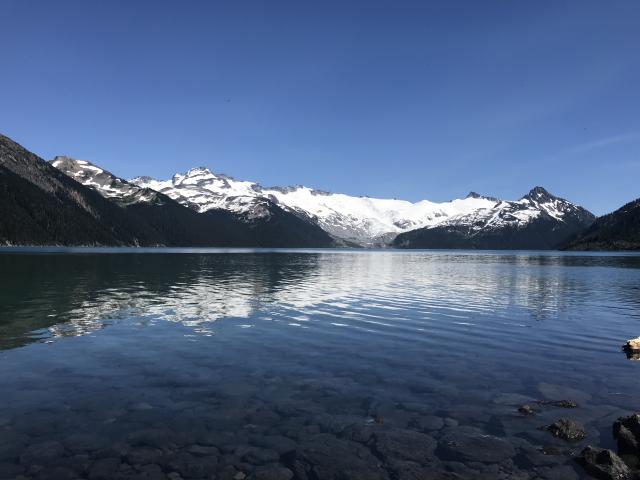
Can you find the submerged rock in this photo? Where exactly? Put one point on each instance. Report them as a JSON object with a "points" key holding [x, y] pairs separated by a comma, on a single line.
{"points": [[604, 464], [427, 423], [104, 469], [144, 455], [271, 472], [559, 403], [472, 445], [326, 457], [626, 431], [527, 410], [557, 472], [10, 470], [42, 453], [551, 391], [189, 466], [203, 451], [279, 443], [406, 445], [567, 429]]}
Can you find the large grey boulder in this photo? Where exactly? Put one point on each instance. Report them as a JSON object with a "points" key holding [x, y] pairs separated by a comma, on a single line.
{"points": [[604, 464], [626, 430], [567, 429]]}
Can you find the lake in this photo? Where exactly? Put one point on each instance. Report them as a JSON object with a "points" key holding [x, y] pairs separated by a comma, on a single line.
{"points": [[311, 364]]}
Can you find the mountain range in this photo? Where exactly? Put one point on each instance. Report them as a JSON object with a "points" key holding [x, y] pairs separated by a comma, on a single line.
{"points": [[74, 202], [43, 205]]}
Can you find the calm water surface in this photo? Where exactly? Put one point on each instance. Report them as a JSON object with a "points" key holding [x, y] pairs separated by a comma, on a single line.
{"points": [[310, 364]]}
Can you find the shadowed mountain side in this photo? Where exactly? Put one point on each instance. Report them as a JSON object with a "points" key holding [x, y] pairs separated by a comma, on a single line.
{"points": [[619, 230], [41, 205], [540, 234], [538, 221]]}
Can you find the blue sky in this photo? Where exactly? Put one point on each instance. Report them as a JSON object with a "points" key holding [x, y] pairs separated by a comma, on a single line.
{"points": [[391, 99]]}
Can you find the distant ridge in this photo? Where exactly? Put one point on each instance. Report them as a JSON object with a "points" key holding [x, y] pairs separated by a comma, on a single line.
{"points": [[86, 205]]}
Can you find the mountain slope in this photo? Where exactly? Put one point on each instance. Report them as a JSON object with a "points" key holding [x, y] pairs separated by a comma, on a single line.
{"points": [[39, 205], [538, 220], [362, 220], [619, 230], [43, 206], [261, 223]]}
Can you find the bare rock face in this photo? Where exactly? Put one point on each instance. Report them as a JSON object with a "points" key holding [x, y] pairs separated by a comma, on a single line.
{"points": [[626, 430], [604, 464]]}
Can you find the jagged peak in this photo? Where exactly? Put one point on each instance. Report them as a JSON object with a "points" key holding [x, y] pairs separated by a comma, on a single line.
{"points": [[64, 159], [473, 194], [538, 193], [198, 171], [203, 171], [142, 179]]}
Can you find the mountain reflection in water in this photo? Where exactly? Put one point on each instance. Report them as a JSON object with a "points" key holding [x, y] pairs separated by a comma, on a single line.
{"points": [[268, 358], [57, 294]]}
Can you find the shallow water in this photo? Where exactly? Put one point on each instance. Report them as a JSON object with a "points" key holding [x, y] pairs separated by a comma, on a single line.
{"points": [[309, 364]]}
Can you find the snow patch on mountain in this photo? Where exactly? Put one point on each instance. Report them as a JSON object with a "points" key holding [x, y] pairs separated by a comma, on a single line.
{"points": [[107, 184], [517, 213], [364, 220], [353, 218]]}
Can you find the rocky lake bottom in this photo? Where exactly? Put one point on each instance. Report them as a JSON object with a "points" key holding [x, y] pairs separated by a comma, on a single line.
{"points": [[315, 365]]}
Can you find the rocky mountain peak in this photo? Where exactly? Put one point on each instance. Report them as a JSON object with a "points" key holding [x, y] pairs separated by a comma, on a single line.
{"points": [[473, 194], [539, 194], [102, 181], [62, 159], [198, 171], [142, 179]]}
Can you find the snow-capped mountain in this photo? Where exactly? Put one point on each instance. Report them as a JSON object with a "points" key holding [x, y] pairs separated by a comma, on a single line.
{"points": [[360, 219], [538, 220], [538, 202], [253, 222], [122, 191], [103, 181]]}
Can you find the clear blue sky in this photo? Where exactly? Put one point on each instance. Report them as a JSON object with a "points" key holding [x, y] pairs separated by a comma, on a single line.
{"points": [[392, 99]]}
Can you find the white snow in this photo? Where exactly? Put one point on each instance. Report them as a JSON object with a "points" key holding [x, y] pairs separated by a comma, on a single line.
{"points": [[104, 182], [364, 220], [345, 216]]}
